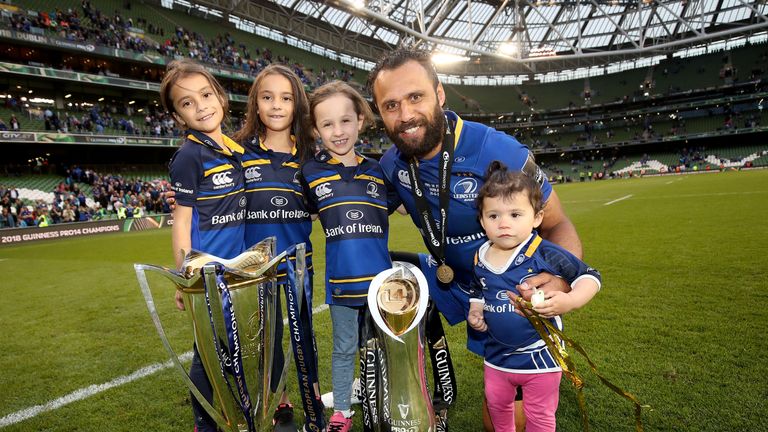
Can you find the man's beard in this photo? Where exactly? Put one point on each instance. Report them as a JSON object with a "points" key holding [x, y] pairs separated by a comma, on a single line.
{"points": [[434, 130]]}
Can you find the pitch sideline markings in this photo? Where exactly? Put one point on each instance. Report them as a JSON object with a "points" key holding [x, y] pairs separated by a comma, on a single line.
{"points": [[618, 199], [656, 197], [94, 389]]}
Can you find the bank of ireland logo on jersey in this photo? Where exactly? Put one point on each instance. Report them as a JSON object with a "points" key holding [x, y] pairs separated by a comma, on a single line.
{"points": [[372, 189], [323, 190], [465, 189], [354, 215], [252, 174], [279, 201]]}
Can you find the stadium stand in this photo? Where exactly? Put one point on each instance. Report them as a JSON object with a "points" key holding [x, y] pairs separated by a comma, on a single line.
{"points": [[627, 123]]}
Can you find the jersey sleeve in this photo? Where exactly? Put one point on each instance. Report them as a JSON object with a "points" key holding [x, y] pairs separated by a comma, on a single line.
{"points": [[502, 147], [567, 266], [309, 200], [185, 173], [475, 289], [393, 199]]}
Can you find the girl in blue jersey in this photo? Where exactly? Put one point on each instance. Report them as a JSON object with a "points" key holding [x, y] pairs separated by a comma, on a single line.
{"points": [[348, 193], [511, 207], [277, 138], [207, 178]]}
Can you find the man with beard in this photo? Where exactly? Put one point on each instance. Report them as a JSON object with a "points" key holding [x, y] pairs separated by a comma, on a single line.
{"points": [[437, 167]]}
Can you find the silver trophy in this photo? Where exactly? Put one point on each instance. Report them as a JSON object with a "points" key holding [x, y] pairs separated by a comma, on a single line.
{"points": [[233, 305], [397, 397]]}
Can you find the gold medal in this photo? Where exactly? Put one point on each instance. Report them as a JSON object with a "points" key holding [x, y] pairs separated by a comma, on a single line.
{"points": [[444, 273]]}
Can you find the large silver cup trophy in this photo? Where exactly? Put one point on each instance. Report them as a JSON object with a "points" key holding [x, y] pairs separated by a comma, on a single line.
{"points": [[396, 397], [233, 305]]}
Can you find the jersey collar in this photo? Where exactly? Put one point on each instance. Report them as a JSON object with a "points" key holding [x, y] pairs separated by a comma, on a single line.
{"points": [[266, 149], [230, 146], [325, 156]]}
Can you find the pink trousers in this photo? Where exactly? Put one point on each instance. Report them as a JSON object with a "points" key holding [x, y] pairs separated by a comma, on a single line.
{"points": [[541, 393]]}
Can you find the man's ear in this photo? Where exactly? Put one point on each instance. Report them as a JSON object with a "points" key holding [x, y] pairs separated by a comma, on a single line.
{"points": [[440, 94]]}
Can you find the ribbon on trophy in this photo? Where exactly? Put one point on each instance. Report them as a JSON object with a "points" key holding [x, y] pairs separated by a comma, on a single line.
{"points": [[556, 341], [443, 374], [298, 294], [230, 356], [370, 377]]}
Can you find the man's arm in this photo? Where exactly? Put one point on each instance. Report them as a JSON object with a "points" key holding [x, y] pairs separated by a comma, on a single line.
{"points": [[557, 228]]}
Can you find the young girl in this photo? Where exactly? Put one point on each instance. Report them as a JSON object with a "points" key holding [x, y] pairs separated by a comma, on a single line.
{"points": [[207, 177], [348, 192], [277, 138], [511, 207]]}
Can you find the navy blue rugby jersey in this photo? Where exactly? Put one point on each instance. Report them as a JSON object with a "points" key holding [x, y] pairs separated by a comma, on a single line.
{"points": [[476, 146], [210, 180], [352, 206], [276, 203], [513, 345]]}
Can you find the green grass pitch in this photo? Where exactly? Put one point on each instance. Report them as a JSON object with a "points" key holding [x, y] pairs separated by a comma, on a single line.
{"points": [[680, 321]]}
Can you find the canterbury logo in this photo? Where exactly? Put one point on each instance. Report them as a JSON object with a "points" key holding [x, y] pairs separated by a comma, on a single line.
{"points": [[252, 173], [403, 176], [222, 178], [323, 190]]}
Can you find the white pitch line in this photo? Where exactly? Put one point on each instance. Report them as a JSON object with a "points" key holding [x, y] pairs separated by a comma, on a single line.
{"points": [[670, 182], [94, 389], [618, 199]]}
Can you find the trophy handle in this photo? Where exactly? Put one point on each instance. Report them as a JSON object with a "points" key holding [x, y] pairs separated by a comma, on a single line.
{"points": [[144, 284]]}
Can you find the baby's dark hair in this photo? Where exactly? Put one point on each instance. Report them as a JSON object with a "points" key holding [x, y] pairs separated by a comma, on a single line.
{"points": [[501, 182]]}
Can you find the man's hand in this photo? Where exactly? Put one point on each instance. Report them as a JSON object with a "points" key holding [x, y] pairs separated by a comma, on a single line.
{"points": [[179, 301], [543, 281], [475, 318]]}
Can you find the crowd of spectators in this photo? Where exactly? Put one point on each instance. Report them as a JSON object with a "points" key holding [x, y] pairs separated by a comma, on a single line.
{"points": [[141, 36], [113, 196]]}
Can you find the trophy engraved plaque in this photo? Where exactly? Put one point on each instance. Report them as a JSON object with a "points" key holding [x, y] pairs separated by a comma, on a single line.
{"points": [[232, 304], [398, 398]]}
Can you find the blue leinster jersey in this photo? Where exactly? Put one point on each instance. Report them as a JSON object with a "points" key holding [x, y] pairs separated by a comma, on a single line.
{"points": [[210, 181], [476, 146], [352, 206], [513, 345], [276, 205]]}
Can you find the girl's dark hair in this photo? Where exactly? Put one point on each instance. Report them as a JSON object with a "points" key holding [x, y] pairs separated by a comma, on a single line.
{"points": [[501, 182], [180, 69], [300, 126], [334, 88]]}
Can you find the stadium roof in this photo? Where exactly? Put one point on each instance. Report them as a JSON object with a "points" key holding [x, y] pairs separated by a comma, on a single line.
{"points": [[505, 37]]}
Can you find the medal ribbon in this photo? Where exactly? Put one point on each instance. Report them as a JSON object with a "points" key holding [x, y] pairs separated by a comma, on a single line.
{"points": [[434, 238], [233, 356], [298, 303], [555, 341]]}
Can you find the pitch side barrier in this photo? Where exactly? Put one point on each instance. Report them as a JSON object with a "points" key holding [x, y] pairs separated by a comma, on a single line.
{"points": [[16, 236]]}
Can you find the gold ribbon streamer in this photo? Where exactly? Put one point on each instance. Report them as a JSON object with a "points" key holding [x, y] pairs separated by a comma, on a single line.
{"points": [[554, 339]]}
